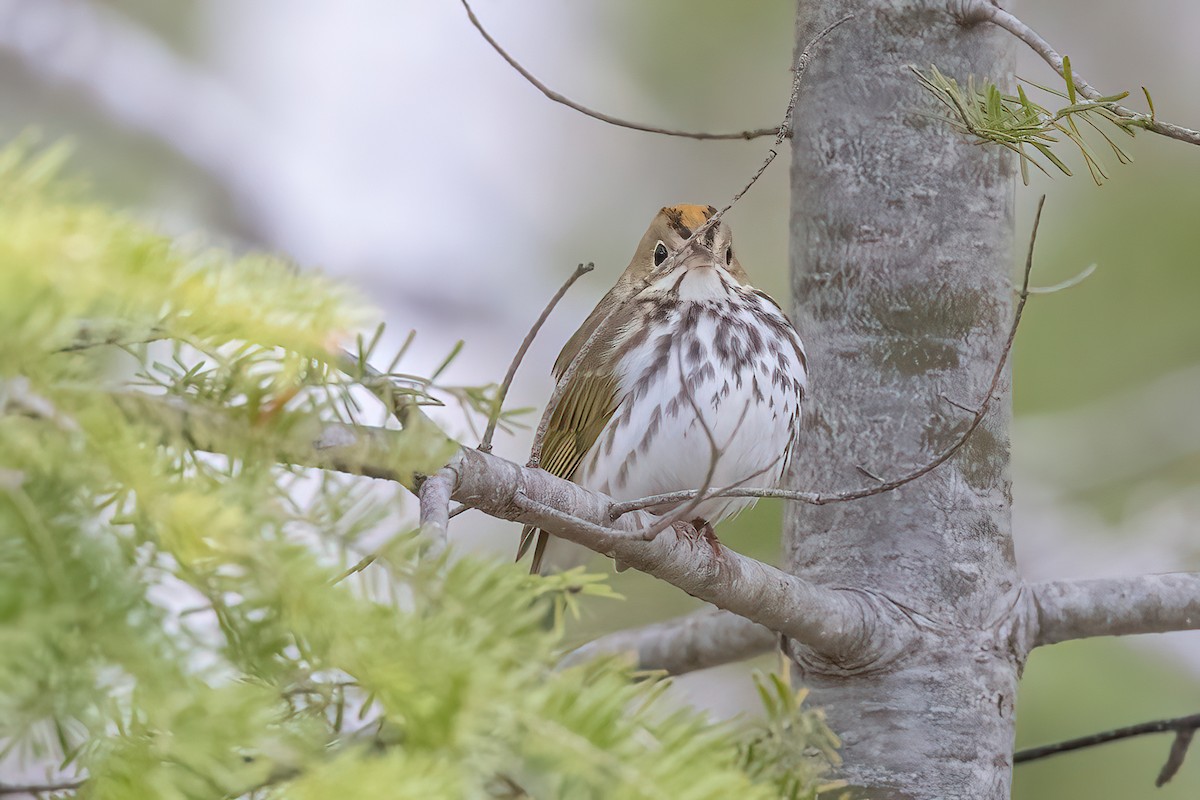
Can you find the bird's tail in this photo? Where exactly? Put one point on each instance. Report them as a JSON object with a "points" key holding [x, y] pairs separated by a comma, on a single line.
{"points": [[528, 535]]}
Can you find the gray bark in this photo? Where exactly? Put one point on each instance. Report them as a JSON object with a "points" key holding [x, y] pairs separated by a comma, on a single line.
{"points": [[901, 258], [698, 641], [1066, 610]]}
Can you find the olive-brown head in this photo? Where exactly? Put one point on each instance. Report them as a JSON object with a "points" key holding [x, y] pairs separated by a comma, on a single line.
{"points": [[665, 247]]}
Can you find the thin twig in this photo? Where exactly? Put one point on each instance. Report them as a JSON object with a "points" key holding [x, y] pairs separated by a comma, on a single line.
{"points": [[823, 498], [785, 127], [34, 789], [972, 11], [1179, 748], [600, 115], [486, 444], [1071, 282], [1184, 728]]}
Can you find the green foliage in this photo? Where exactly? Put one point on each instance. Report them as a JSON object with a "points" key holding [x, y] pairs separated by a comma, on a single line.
{"points": [[179, 624], [1019, 124], [792, 748]]}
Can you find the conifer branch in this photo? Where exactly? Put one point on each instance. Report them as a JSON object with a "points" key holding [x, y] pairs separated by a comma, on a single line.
{"points": [[355, 449], [974, 11]]}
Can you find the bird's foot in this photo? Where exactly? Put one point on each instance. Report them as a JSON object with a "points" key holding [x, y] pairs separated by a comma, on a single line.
{"points": [[700, 529]]}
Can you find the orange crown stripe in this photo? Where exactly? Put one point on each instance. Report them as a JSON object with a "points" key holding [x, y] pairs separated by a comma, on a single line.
{"points": [[692, 216]]}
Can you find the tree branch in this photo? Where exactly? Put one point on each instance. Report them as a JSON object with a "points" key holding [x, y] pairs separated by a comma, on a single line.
{"points": [[355, 449], [435, 506], [842, 624], [1067, 610], [1184, 728], [687, 644], [974, 11], [600, 115]]}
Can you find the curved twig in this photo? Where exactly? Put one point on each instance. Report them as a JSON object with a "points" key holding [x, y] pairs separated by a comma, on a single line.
{"points": [[485, 443], [600, 115]]}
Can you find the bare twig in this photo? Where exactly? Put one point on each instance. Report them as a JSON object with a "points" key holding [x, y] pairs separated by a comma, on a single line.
{"points": [[1179, 748], [1069, 283], [1184, 728], [34, 789], [973, 11], [823, 498], [785, 127], [600, 115], [486, 444]]}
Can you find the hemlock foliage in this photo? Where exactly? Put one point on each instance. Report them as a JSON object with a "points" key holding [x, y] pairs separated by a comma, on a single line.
{"points": [[177, 624]]}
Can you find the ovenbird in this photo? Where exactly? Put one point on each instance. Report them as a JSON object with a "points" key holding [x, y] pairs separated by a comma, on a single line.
{"points": [[685, 356]]}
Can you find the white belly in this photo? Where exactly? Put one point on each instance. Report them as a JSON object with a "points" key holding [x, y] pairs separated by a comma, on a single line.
{"points": [[743, 378]]}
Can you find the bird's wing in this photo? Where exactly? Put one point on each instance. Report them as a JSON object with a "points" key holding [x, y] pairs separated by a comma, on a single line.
{"points": [[588, 402]]}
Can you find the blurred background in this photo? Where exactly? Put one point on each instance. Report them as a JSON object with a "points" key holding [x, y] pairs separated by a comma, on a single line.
{"points": [[384, 142]]}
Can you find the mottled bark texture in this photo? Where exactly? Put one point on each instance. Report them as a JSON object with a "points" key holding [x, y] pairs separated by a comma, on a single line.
{"points": [[901, 260]]}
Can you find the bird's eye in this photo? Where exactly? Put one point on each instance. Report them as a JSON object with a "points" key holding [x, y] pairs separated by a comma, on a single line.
{"points": [[728, 256], [660, 254]]}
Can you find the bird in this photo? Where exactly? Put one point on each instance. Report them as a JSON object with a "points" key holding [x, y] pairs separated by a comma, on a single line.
{"points": [[686, 373]]}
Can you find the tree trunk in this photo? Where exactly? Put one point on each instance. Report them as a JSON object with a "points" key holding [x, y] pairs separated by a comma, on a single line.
{"points": [[901, 259]]}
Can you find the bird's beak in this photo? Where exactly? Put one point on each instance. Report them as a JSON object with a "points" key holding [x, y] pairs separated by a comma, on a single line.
{"points": [[699, 257]]}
